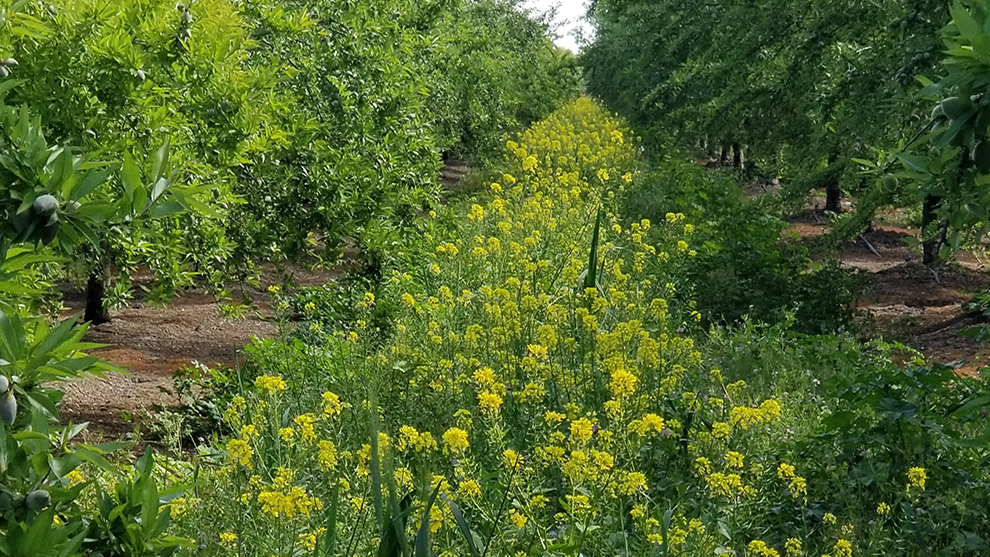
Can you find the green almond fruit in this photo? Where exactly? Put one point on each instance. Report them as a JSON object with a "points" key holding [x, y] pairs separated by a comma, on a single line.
{"points": [[10, 62], [140, 75], [954, 107], [8, 408], [889, 183], [937, 112], [4, 384], [45, 205], [6, 501], [981, 156], [187, 17], [4, 72], [38, 500]]}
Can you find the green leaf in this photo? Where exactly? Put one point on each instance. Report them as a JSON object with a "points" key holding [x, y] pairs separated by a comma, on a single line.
{"points": [[90, 182], [159, 162], [590, 279], [967, 26], [134, 191], [423, 548], [462, 525], [166, 208], [330, 536]]}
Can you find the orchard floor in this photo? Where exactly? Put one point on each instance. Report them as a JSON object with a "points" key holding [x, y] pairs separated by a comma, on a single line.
{"points": [[903, 301], [907, 301], [153, 342]]}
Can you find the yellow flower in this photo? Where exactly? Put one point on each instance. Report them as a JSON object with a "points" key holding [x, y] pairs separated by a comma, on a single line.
{"points": [[228, 539], [828, 518], [469, 488], [455, 440], [623, 383], [632, 482], [843, 548], [529, 164], [331, 405], [75, 478], [552, 417], [307, 540], [734, 459], [484, 377], [517, 518], [270, 384], [793, 547], [883, 509], [759, 548], [721, 430], [489, 402], [240, 451], [785, 471], [724, 485], [326, 455], [306, 423], [512, 458], [649, 423], [581, 431], [916, 478], [287, 434]]}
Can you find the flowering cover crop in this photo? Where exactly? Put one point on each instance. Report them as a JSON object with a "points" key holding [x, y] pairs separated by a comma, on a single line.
{"points": [[561, 420]]}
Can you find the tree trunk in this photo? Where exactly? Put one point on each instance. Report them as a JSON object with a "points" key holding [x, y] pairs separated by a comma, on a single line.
{"points": [[930, 246], [737, 156], [833, 190], [723, 159], [96, 293]]}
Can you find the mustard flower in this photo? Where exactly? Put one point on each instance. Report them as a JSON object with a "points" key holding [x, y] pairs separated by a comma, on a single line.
{"points": [[455, 440], [916, 478], [270, 384]]}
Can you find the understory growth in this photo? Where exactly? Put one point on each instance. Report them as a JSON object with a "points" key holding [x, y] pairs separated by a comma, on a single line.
{"points": [[546, 373]]}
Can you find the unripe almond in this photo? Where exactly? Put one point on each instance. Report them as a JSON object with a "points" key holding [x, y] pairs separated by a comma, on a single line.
{"points": [[45, 205], [38, 500], [8, 408]]}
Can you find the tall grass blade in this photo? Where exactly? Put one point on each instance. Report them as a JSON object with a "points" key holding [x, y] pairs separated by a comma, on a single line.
{"points": [[462, 525], [591, 278], [423, 536]]}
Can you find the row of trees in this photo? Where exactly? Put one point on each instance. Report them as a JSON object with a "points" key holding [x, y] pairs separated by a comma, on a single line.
{"points": [[817, 92], [197, 139], [282, 120]]}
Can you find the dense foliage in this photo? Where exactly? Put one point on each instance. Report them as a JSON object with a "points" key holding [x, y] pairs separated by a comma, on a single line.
{"points": [[194, 140], [307, 117], [804, 87], [547, 390], [598, 353], [743, 267]]}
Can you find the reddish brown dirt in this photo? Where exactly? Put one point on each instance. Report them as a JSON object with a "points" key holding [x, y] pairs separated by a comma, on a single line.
{"points": [[905, 300], [152, 342]]}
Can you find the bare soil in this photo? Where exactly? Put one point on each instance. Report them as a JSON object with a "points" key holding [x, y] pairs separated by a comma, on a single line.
{"points": [[906, 301]]}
